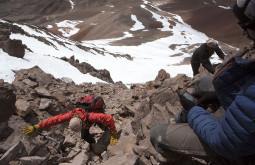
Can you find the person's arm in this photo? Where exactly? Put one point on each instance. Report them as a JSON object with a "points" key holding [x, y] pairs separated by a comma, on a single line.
{"points": [[56, 120], [210, 130], [219, 52], [47, 123], [103, 119]]}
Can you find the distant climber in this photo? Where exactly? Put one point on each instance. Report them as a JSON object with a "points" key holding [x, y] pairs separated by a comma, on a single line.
{"points": [[202, 56], [81, 120]]}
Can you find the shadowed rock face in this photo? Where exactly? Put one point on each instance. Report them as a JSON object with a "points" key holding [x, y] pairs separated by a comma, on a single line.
{"points": [[7, 106]]}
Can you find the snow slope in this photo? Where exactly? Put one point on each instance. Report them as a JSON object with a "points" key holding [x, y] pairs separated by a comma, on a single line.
{"points": [[148, 58]]}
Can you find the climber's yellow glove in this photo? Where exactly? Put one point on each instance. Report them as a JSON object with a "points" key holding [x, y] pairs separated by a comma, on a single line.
{"points": [[31, 129], [114, 139]]}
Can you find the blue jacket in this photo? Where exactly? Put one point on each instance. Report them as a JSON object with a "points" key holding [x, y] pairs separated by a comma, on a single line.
{"points": [[234, 135]]}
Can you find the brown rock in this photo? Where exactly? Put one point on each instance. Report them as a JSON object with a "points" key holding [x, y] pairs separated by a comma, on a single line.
{"points": [[23, 107], [14, 48], [7, 103]]}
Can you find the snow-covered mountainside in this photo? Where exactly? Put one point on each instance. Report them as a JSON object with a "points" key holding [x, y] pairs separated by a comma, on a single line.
{"points": [[146, 40]]}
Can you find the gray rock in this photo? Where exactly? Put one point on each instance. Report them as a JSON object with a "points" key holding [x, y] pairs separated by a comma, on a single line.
{"points": [[13, 139], [67, 80], [81, 159], [30, 144], [23, 107], [16, 151], [162, 75], [144, 161], [42, 152], [42, 92], [125, 159], [33, 160], [5, 130], [44, 104], [30, 83], [126, 140], [17, 123], [69, 141]]}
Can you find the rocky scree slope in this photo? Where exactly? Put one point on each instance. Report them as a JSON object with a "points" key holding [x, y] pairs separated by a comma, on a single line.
{"points": [[135, 110]]}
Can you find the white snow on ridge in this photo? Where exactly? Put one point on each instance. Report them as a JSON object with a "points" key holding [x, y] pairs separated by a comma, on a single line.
{"points": [[138, 25], [67, 27], [225, 7], [58, 68], [72, 4], [148, 58]]}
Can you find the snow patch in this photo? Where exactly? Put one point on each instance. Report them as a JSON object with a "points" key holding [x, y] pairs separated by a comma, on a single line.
{"points": [[138, 25], [225, 7], [67, 27]]}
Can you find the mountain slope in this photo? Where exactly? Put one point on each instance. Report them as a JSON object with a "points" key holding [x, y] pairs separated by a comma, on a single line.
{"points": [[156, 40], [102, 19]]}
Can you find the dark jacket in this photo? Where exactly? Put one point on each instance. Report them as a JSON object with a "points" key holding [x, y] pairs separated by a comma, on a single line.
{"points": [[234, 135], [203, 53]]}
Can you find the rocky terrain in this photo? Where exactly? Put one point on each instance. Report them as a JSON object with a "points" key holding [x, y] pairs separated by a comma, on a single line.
{"points": [[135, 108]]}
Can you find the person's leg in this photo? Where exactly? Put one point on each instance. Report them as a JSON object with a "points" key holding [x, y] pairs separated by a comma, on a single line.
{"points": [[86, 136], [177, 142], [208, 66], [195, 66]]}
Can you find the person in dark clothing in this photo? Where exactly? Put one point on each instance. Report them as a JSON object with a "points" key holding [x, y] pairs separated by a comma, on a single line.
{"points": [[202, 56], [229, 139]]}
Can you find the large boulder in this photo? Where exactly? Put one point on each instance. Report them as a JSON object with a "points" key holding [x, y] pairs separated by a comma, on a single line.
{"points": [[7, 106], [5, 130], [14, 48], [16, 151]]}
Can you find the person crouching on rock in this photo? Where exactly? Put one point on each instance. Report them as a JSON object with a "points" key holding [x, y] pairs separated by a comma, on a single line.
{"points": [[202, 56], [80, 120]]}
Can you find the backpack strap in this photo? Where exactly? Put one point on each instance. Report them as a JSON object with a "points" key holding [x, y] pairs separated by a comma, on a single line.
{"points": [[86, 124]]}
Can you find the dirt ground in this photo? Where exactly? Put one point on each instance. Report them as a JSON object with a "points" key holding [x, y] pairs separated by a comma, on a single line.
{"points": [[214, 21]]}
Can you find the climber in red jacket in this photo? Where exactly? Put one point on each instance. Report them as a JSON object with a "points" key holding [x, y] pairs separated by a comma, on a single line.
{"points": [[80, 120]]}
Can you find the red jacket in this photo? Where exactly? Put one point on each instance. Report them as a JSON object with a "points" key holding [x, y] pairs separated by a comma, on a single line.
{"points": [[93, 118]]}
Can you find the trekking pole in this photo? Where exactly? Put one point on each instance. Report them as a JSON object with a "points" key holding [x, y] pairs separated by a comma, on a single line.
{"points": [[49, 138]]}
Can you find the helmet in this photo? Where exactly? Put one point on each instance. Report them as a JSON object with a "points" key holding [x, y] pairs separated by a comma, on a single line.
{"points": [[212, 43], [244, 10], [75, 124]]}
